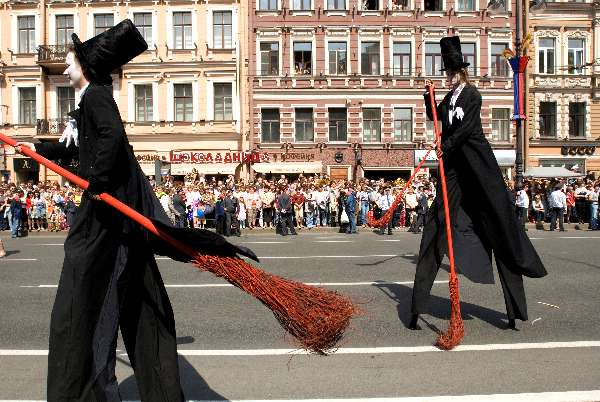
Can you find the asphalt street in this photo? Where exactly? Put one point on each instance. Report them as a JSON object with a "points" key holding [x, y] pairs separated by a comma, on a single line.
{"points": [[232, 348]]}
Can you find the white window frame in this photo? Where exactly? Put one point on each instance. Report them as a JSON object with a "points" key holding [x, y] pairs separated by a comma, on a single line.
{"points": [[16, 105], [345, 39], [583, 49], [234, 24], [268, 11], [314, 118], [300, 11], [170, 36], [545, 49], [14, 43], [370, 38], [401, 39], [510, 130], [171, 99], [132, 11], [412, 108], [54, 82], [279, 40], [444, 8], [362, 120], [498, 41], [210, 97], [338, 106], [91, 16], [313, 54], [131, 100], [411, 7], [432, 40], [469, 11], [333, 11], [52, 33]]}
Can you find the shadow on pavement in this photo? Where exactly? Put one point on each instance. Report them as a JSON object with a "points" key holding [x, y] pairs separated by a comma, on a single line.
{"points": [[439, 307], [194, 386]]}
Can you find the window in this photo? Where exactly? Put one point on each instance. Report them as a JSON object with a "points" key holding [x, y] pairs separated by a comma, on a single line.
{"points": [[336, 4], [64, 29], [26, 26], [469, 51], [372, 125], [143, 102], [304, 125], [400, 4], [223, 102], [338, 124], [501, 124], [402, 124], [302, 5], [548, 119], [429, 131], [222, 30], [465, 5], [401, 60], [270, 125], [499, 63], [269, 58], [370, 5], [434, 5], [576, 56], [370, 58], [302, 58], [65, 99], [102, 22], [433, 59], [577, 119], [143, 22], [27, 106], [546, 55], [182, 29], [267, 5], [183, 102], [337, 58]]}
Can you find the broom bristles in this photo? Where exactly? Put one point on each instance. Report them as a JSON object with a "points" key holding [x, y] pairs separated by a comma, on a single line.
{"points": [[315, 317], [456, 330]]}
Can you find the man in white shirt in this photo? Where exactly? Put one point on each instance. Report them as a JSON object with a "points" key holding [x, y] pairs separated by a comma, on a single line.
{"points": [[522, 203], [384, 203], [558, 205]]}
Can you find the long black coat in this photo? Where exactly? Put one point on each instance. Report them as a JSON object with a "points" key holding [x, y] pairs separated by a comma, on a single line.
{"points": [[482, 214], [110, 278]]}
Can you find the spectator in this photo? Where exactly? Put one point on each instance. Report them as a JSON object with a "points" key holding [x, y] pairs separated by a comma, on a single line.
{"points": [[538, 210], [571, 211], [285, 208], [351, 210], [384, 203], [592, 199], [558, 205], [522, 204], [298, 202]]}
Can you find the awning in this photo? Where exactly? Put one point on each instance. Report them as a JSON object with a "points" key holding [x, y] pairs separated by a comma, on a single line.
{"points": [[550, 172], [505, 157], [181, 169], [288, 167]]}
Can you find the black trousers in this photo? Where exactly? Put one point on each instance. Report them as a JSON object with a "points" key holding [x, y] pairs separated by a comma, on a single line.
{"points": [[554, 214], [522, 215], [285, 221]]}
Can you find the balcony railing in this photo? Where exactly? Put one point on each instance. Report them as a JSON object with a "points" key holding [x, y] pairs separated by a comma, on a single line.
{"points": [[52, 53], [51, 126]]}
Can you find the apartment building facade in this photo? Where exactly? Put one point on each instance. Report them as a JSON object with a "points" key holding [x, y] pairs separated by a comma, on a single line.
{"points": [[337, 85], [180, 101], [563, 127]]}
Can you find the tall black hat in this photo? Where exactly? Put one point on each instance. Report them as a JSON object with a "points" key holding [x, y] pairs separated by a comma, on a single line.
{"points": [[109, 50], [452, 54]]}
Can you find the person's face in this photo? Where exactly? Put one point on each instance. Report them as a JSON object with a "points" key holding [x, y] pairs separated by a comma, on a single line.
{"points": [[74, 71], [452, 77]]}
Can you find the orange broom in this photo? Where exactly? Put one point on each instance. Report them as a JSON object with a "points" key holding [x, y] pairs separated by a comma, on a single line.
{"points": [[456, 331], [315, 317]]}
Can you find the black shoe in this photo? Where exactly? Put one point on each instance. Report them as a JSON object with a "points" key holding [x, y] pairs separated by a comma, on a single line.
{"points": [[413, 322], [512, 324]]}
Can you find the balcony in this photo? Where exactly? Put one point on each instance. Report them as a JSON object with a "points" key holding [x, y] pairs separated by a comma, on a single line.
{"points": [[17, 2], [51, 126]]}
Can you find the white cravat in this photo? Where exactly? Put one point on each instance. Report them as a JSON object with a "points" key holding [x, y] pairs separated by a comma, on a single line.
{"points": [[70, 133], [453, 100]]}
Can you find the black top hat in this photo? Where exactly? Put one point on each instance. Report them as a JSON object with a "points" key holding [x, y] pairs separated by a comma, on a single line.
{"points": [[109, 50], [452, 54]]}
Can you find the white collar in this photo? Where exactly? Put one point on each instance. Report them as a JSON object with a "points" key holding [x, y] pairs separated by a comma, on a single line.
{"points": [[82, 90], [456, 94]]}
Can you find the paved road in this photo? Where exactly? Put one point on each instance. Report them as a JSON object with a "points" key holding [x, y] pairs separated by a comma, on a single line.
{"points": [[232, 348]]}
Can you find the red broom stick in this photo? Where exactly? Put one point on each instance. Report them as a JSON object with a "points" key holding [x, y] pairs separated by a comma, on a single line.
{"points": [[316, 317], [456, 331]]}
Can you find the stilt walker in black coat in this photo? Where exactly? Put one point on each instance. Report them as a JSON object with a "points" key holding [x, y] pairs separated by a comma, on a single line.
{"points": [[482, 214], [110, 278]]}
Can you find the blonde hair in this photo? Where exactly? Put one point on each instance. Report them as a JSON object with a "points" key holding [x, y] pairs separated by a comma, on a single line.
{"points": [[463, 73]]}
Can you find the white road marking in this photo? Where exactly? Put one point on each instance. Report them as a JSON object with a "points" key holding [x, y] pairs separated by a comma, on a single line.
{"points": [[334, 241], [266, 242], [549, 305], [327, 256], [351, 351], [49, 244], [18, 259], [227, 285]]}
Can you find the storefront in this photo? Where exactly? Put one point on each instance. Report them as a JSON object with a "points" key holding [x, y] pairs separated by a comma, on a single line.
{"points": [[504, 157], [583, 158], [26, 169]]}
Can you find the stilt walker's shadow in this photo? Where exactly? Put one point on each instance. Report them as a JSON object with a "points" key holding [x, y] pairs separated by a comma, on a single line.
{"points": [[439, 307], [194, 386]]}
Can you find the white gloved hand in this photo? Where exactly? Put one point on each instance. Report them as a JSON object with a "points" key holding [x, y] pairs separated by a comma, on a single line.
{"points": [[70, 134]]}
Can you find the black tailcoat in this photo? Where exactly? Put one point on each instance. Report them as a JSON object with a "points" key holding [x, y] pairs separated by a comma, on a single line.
{"points": [[110, 278], [482, 214]]}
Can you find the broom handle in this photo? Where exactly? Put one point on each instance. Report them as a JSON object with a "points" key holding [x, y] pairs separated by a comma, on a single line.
{"points": [[107, 198], [443, 177]]}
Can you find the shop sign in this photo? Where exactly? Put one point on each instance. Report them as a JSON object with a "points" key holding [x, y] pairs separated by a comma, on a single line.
{"points": [[150, 158], [292, 157], [25, 164], [217, 157], [577, 150]]}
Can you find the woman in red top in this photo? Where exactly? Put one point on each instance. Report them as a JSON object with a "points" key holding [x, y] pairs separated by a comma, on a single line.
{"points": [[570, 204]]}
